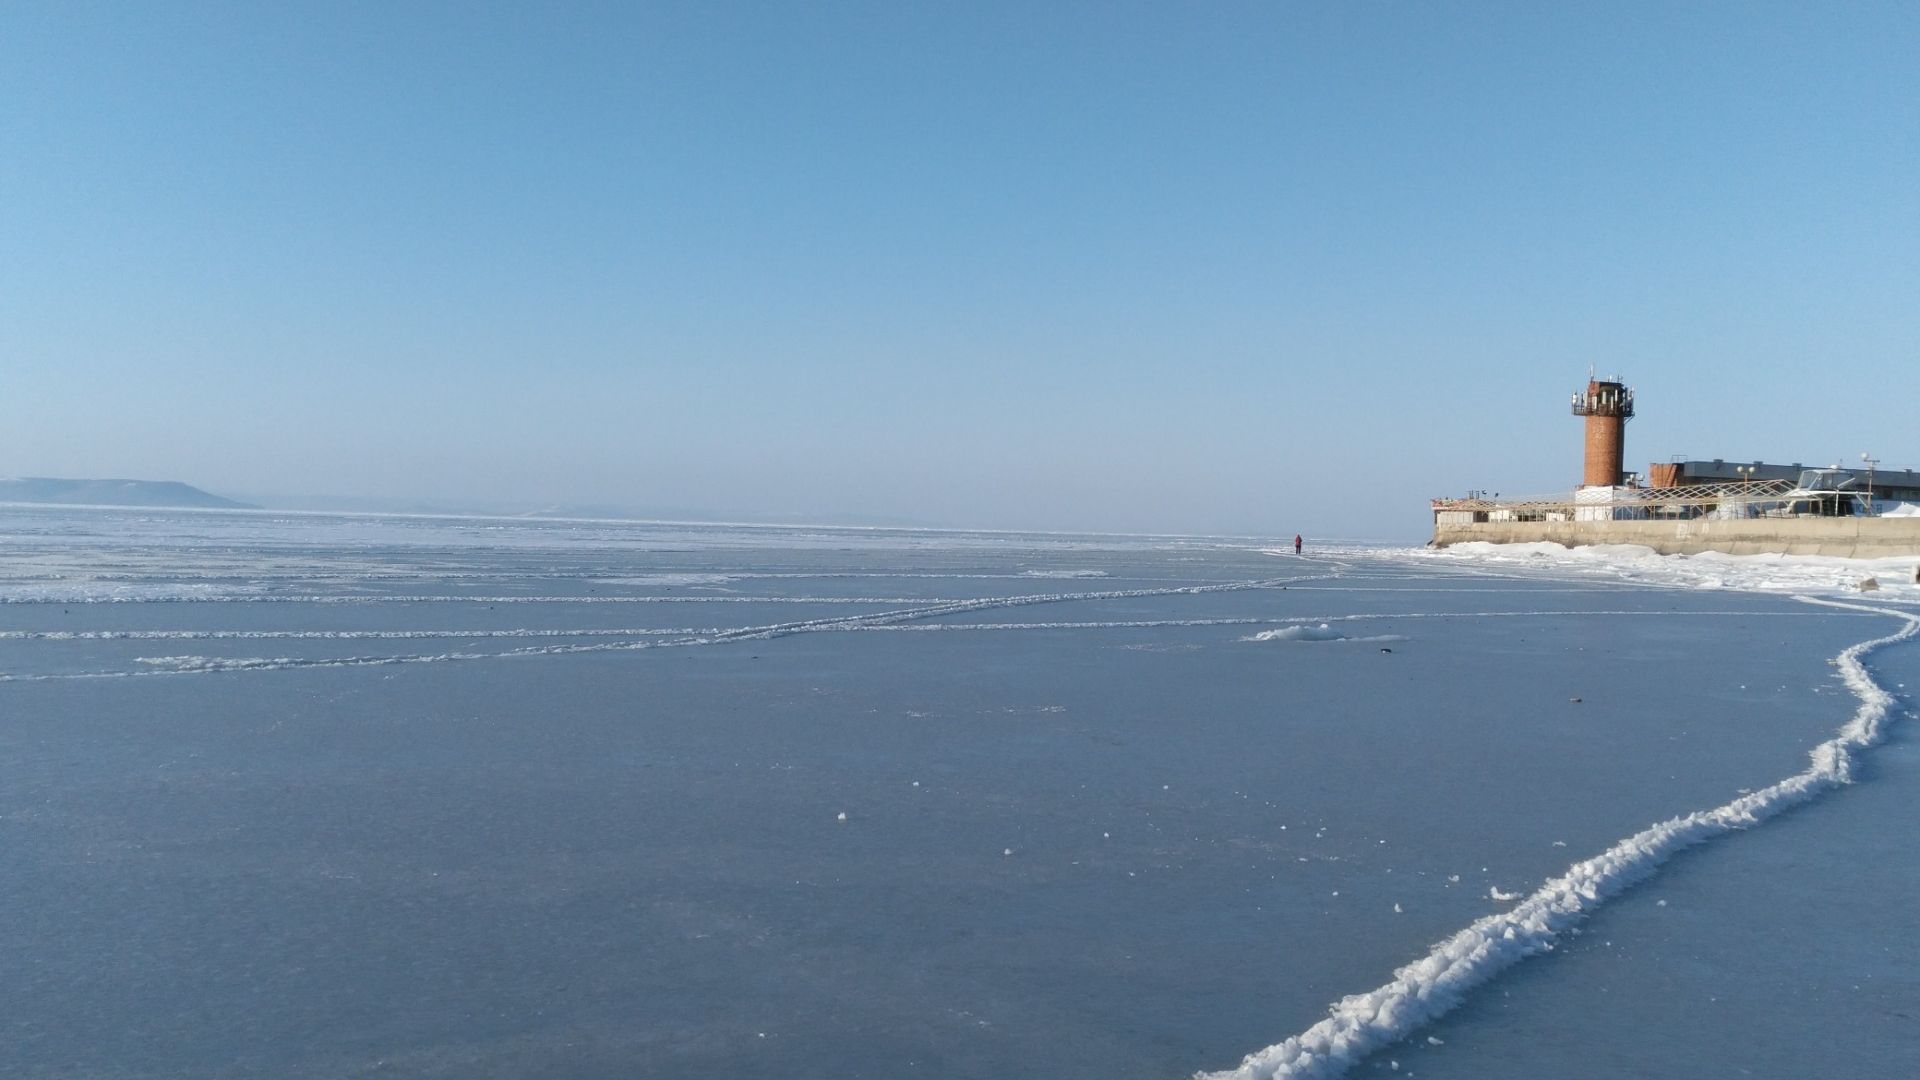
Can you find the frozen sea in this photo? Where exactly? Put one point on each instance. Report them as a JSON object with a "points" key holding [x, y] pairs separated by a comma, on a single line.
{"points": [[334, 796]]}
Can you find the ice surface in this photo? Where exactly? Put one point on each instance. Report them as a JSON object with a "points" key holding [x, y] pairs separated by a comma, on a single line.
{"points": [[318, 795], [1420, 992]]}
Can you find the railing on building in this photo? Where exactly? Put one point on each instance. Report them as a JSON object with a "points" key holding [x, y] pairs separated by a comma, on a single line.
{"points": [[1604, 399], [1752, 498]]}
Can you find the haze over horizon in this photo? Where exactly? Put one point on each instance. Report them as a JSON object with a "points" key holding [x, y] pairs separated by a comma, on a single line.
{"points": [[1252, 269]]}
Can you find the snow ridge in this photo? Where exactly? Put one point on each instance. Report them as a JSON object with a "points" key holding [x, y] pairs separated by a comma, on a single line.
{"points": [[184, 665], [1307, 631], [352, 598], [569, 632], [636, 632], [1431, 986]]}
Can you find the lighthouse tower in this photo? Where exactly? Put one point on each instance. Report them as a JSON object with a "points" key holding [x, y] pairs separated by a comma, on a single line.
{"points": [[1607, 405]]}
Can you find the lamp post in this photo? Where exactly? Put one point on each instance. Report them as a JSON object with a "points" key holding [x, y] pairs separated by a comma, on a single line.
{"points": [[1871, 462], [1746, 489]]}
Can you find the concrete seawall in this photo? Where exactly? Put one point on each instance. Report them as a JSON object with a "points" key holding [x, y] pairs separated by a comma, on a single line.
{"points": [[1856, 538]]}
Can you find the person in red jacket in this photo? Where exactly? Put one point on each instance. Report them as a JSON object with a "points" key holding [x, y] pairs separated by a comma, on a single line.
{"points": [[1296, 543]]}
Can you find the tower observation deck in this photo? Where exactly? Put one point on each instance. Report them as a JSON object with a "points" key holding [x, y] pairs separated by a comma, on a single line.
{"points": [[1608, 405]]}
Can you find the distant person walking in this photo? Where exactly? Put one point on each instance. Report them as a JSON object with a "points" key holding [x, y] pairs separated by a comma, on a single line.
{"points": [[1296, 543]]}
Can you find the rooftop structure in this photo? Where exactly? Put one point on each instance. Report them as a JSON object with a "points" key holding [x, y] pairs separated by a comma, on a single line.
{"points": [[1887, 485]]}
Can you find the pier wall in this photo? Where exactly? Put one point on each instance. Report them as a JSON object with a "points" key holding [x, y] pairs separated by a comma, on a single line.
{"points": [[1856, 538]]}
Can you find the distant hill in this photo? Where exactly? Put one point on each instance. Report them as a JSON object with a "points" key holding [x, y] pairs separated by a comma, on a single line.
{"points": [[168, 493]]}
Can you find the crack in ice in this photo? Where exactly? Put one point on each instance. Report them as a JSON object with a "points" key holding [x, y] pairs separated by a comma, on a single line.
{"points": [[185, 665]]}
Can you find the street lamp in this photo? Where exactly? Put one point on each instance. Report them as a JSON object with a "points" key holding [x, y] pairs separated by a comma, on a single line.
{"points": [[1871, 462], [1746, 489]]}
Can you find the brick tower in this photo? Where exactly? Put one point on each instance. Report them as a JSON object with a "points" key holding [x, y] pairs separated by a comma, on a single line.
{"points": [[1607, 405]]}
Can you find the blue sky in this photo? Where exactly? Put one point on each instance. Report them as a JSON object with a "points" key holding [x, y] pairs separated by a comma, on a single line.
{"points": [[1262, 267]]}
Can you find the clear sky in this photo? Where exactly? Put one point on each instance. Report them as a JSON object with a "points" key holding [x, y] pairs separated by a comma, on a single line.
{"points": [[1198, 267]]}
